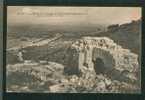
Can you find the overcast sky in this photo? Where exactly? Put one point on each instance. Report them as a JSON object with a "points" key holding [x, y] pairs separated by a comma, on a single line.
{"points": [[71, 15]]}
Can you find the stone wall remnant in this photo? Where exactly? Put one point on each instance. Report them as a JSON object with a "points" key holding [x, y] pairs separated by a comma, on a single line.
{"points": [[112, 56]]}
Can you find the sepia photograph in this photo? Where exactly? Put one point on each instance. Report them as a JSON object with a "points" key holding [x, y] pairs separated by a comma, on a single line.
{"points": [[72, 49]]}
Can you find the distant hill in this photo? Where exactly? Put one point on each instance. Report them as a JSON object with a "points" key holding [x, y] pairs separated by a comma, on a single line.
{"points": [[127, 35]]}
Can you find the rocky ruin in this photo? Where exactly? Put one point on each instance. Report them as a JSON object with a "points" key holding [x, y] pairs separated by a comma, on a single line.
{"points": [[94, 64], [101, 55]]}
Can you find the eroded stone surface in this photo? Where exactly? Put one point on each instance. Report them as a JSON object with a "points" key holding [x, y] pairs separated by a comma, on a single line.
{"points": [[85, 51]]}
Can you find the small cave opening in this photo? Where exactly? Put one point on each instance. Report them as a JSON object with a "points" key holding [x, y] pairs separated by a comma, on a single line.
{"points": [[99, 66]]}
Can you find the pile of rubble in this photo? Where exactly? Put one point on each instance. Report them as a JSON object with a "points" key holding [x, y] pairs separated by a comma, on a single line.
{"points": [[40, 78], [89, 83]]}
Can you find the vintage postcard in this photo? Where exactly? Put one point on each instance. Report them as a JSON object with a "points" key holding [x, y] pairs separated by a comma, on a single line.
{"points": [[73, 49]]}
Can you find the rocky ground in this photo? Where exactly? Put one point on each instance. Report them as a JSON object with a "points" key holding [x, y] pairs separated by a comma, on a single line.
{"points": [[49, 77]]}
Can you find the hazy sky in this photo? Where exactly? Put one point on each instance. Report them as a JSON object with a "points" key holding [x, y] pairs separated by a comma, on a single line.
{"points": [[72, 15]]}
